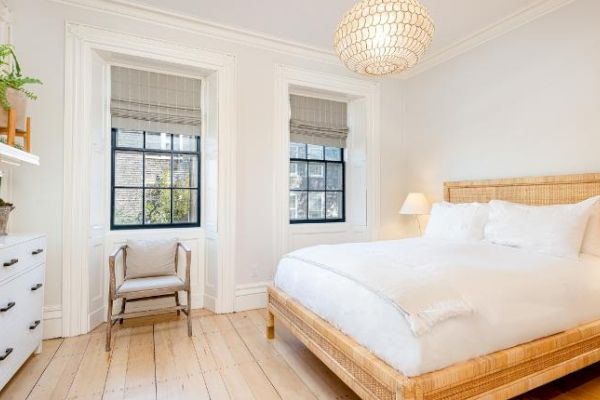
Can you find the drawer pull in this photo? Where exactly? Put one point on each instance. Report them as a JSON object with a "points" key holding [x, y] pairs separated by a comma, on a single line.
{"points": [[11, 262], [36, 252], [8, 306], [6, 353], [36, 287], [34, 325]]}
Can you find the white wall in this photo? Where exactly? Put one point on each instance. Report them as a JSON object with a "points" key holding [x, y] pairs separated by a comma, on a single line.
{"points": [[40, 40], [527, 103]]}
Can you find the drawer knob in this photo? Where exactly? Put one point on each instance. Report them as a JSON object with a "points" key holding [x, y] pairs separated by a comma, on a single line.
{"points": [[11, 262], [8, 306], [34, 325], [6, 353], [36, 287], [36, 252]]}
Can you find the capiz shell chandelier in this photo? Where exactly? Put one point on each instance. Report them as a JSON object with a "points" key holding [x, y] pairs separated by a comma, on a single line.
{"points": [[380, 37]]}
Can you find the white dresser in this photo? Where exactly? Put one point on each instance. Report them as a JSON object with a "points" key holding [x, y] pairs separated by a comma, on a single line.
{"points": [[22, 266]]}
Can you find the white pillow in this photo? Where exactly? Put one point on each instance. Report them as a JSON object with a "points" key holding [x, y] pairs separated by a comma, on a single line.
{"points": [[557, 230], [591, 237], [464, 222], [150, 258]]}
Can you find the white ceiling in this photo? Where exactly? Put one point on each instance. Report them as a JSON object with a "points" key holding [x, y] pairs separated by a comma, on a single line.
{"points": [[312, 22]]}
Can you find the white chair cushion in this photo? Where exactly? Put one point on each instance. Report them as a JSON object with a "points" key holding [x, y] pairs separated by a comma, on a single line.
{"points": [[150, 258], [172, 282]]}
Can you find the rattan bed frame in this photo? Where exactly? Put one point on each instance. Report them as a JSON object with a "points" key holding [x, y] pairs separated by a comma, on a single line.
{"points": [[499, 375]]}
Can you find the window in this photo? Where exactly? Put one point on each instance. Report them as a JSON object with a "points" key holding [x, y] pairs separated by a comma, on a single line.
{"points": [[316, 183], [155, 180]]}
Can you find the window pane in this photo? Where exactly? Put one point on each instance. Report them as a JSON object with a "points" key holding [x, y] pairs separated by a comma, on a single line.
{"points": [[185, 206], [298, 175], [185, 170], [316, 176], [297, 150], [128, 207], [333, 154], [334, 177], [316, 205], [185, 143], [298, 205], [158, 169], [133, 139], [314, 152], [157, 207], [128, 169], [158, 141], [334, 205]]}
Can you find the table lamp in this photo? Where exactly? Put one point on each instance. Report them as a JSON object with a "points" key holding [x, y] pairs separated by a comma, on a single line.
{"points": [[416, 204]]}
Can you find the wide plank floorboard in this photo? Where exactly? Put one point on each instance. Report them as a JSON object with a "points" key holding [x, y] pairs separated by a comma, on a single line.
{"points": [[228, 358]]}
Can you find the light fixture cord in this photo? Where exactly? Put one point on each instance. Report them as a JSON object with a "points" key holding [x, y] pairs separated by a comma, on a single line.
{"points": [[419, 225]]}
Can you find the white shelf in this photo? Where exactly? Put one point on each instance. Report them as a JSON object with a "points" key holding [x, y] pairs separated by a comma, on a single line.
{"points": [[12, 154]]}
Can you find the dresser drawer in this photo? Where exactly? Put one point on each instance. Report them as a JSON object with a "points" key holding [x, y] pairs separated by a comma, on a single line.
{"points": [[21, 323], [20, 256], [34, 252], [12, 304], [12, 260]]}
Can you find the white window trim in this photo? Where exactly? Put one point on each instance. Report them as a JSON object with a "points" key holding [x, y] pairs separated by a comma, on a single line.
{"points": [[288, 80], [81, 42]]}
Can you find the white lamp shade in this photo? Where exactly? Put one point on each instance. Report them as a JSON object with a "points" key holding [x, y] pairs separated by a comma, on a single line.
{"points": [[415, 204]]}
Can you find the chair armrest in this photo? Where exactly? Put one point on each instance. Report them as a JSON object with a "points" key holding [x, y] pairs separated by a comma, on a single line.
{"points": [[117, 251], [188, 263], [111, 267], [184, 247]]}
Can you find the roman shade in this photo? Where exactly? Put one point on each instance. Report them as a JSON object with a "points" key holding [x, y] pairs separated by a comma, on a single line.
{"points": [[155, 102], [318, 121]]}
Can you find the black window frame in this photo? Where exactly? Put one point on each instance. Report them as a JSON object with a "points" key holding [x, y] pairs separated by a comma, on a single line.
{"points": [[308, 161], [143, 150]]}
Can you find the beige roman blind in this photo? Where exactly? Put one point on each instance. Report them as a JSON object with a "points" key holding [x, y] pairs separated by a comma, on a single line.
{"points": [[155, 102], [318, 121]]}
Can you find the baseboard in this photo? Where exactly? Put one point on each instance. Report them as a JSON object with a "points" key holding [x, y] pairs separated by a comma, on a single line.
{"points": [[197, 301], [52, 322], [210, 303], [251, 296]]}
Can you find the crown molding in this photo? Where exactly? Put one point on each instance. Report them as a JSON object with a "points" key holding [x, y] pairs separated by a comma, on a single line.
{"points": [[174, 20], [183, 22], [493, 31]]}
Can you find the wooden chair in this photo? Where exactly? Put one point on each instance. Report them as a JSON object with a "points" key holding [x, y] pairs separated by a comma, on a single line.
{"points": [[147, 287]]}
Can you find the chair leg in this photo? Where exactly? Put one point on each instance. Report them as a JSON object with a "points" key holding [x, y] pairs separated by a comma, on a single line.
{"points": [[109, 323], [189, 311], [122, 310], [177, 303]]}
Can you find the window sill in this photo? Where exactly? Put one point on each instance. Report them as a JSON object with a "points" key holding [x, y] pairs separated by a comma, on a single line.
{"points": [[180, 233], [330, 227]]}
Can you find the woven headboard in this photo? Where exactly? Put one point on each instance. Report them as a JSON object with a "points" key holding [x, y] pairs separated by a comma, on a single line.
{"points": [[536, 191]]}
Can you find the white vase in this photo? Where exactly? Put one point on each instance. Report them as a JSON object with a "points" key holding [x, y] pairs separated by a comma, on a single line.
{"points": [[18, 102]]}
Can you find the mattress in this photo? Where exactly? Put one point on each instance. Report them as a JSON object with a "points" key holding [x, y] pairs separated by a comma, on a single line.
{"points": [[517, 296]]}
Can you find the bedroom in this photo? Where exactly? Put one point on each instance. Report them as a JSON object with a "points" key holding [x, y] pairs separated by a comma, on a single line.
{"points": [[269, 143]]}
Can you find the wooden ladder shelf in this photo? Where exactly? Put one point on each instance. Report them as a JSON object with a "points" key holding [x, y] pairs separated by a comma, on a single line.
{"points": [[12, 132]]}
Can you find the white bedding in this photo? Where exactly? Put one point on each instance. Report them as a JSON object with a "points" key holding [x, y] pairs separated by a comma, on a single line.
{"points": [[516, 296]]}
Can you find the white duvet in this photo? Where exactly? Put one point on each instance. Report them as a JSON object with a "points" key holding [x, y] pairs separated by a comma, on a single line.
{"points": [[514, 296]]}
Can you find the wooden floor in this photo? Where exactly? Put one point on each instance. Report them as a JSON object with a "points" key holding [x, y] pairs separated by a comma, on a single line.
{"points": [[228, 358]]}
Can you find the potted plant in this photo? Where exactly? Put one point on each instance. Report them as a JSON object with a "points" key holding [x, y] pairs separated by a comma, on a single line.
{"points": [[13, 93], [5, 210]]}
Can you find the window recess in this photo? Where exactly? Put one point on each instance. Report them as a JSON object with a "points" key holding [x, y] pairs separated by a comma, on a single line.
{"points": [[155, 150], [318, 132]]}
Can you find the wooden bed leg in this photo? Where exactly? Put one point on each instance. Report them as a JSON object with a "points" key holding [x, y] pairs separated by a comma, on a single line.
{"points": [[270, 325]]}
